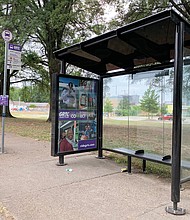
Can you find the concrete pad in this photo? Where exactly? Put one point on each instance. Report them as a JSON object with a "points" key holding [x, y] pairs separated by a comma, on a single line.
{"points": [[33, 187]]}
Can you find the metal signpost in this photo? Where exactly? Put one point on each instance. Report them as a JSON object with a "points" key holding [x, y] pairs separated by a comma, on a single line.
{"points": [[7, 36]]}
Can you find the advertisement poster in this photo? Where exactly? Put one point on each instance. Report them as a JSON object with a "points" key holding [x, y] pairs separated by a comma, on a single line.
{"points": [[77, 114]]}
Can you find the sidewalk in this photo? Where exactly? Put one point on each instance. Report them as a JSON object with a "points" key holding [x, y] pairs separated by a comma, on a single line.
{"points": [[32, 187]]}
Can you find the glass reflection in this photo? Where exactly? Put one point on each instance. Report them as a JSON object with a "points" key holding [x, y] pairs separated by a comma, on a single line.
{"points": [[185, 154], [138, 111]]}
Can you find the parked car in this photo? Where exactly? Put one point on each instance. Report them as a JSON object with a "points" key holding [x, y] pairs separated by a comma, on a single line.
{"points": [[14, 109], [166, 117]]}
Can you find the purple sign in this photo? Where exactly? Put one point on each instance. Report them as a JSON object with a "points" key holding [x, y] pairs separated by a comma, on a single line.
{"points": [[86, 144], [4, 100], [15, 47], [72, 115]]}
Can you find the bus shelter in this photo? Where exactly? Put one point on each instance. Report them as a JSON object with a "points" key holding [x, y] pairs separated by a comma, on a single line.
{"points": [[137, 100]]}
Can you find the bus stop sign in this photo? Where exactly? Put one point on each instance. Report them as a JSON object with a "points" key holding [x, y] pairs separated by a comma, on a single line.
{"points": [[7, 35]]}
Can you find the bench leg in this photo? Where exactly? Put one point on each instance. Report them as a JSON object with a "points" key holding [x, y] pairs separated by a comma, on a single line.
{"points": [[144, 165], [129, 164]]}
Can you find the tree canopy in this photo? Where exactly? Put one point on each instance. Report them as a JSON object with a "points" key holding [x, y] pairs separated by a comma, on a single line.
{"points": [[149, 102], [133, 10], [108, 106], [43, 26]]}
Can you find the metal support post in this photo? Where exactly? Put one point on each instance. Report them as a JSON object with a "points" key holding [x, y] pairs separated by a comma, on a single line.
{"points": [[61, 161], [129, 164], [144, 165], [100, 118], [63, 67], [176, 132]]}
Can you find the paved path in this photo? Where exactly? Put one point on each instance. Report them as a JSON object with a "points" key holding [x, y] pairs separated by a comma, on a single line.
{"points": [[32, 187]]}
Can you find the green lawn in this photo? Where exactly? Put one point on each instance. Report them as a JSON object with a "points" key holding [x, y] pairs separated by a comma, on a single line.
{"points": [[150, 135], [38, 129], [30, 114], [146, 122], [115, 134]]}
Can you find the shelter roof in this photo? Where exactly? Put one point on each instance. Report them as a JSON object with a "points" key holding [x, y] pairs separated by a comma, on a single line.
{"points": [[146, 42]]}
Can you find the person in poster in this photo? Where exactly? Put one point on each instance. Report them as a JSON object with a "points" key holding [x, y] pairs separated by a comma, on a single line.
{"points": [[67, 143], [87, 131], [68, 96]]}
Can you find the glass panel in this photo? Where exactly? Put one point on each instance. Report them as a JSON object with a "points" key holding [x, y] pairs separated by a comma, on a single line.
{"points": [[115, 129], [185, 147], [140, 113]]}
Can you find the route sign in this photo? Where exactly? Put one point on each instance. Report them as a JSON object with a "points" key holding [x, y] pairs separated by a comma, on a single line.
{"points": [[14, 57]]}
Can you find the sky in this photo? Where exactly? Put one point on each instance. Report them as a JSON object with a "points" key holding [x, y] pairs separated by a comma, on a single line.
{"points": [[120, 85]]}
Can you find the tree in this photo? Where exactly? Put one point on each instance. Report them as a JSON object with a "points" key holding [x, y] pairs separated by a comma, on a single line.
{"points": [[108, 106], [106, 87], [124, 106], [51, 25], [163, 109], [149, 102], [29, 94], [34, 94], [133, 10], [182, 6], [14, 93]]}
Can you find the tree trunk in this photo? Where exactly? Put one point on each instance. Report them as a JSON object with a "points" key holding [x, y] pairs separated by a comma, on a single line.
{"points": [[54, 43], [54, 67]]}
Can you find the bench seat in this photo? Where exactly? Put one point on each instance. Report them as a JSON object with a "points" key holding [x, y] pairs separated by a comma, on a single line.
{"points": [[166, 160]]}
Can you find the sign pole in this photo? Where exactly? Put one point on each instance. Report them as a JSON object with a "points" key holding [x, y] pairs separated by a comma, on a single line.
{"points": [[7, 36], [4, 93]]}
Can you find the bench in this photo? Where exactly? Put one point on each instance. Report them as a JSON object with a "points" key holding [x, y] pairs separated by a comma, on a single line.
{"points": [[166, 160]]}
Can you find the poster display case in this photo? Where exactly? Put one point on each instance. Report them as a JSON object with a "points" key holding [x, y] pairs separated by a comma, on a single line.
{"points": [[76, 111]]}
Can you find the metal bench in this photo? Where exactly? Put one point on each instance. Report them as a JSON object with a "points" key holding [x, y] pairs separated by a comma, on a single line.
{"points": [[166, 160]]}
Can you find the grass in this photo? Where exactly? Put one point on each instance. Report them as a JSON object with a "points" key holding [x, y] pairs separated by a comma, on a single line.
{"points": [[160, 170], [150, 135], [38, 129], [34, 125], [145, 123], [30, 114]]}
